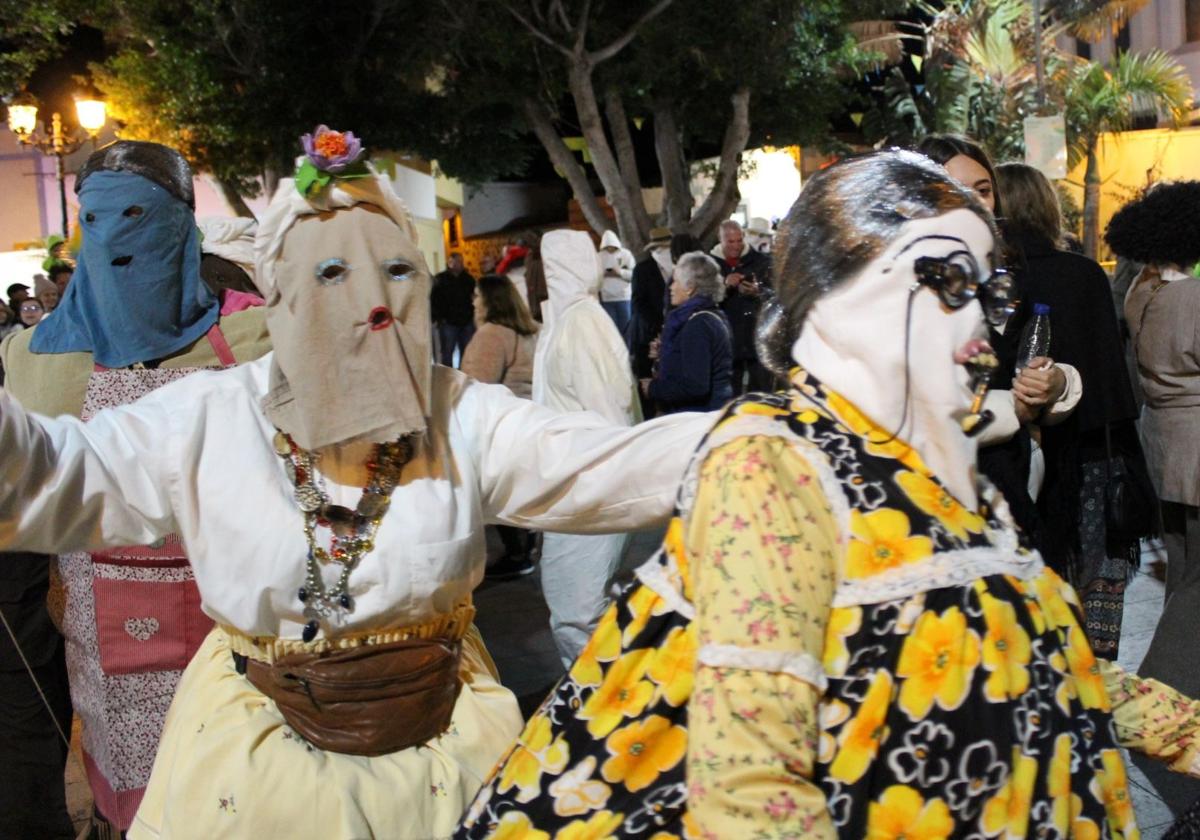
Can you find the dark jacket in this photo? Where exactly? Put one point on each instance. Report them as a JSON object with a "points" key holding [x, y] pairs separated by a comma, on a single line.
{"points": [[742, 310], [695, 369], [1085, 335], [646, 317], [451, 301]]}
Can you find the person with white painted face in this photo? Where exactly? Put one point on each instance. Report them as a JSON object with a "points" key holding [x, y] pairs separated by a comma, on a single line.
{"points": [[331, 497], [845, 634]]}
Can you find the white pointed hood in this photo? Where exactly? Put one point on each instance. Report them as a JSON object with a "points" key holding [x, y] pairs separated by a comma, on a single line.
{"points": [[572, 269], [581, 362]]}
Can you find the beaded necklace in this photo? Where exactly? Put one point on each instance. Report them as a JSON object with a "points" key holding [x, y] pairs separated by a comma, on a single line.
{"points": [[353, 530]]}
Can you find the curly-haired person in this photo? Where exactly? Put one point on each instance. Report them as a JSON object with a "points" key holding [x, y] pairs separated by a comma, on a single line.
{"points": [[1162, 230]]}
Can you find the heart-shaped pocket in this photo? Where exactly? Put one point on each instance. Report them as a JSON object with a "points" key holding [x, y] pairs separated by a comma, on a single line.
{"points": [[141, 628]]}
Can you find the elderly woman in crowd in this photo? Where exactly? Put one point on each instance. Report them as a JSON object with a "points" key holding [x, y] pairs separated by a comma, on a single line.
{"points": [[695, 360], [845, 635], [331, 497], [1162, 230]]}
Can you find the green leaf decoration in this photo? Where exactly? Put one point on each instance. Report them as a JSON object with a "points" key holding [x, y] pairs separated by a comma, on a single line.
{"points": [[310, 180]]}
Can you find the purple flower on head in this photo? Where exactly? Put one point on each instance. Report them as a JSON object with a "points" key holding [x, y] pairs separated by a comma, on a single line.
{"points": [[332, 151]]}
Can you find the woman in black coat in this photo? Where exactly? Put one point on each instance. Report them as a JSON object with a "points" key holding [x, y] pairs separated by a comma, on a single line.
{"points": [[1085, 335], [695, 365]]}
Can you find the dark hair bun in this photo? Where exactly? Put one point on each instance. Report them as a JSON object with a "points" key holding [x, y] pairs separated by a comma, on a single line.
{"points": [[1163, 226]]}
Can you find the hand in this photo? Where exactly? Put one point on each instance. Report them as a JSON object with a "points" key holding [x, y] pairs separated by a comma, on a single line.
{"points": [[1026, 413], [734, 279], [749, 288], [644, 386], [655, 347], [1040, 383]]}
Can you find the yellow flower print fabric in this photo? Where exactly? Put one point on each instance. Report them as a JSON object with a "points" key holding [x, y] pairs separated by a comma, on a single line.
{"points": [[734, 690], [765, 553]]}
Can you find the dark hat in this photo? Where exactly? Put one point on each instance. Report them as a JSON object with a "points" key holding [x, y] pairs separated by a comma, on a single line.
{"points": [[16, 287], [658, 236], [154, 161]]}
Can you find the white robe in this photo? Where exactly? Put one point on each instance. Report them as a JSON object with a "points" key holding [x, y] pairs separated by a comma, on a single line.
{"points": [[581, 365]]}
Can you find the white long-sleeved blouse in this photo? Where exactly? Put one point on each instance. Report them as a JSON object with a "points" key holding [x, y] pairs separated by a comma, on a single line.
{"points": [[196, 458]]}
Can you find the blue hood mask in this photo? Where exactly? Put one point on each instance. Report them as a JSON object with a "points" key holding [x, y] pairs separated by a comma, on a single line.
{"points": [[136, 295]]}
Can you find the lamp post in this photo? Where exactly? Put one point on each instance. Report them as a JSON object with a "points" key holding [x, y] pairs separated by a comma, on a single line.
{"points": [[22, 121]]}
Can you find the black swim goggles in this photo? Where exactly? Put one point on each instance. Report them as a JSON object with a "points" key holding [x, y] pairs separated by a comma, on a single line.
{"points": [[958, 280]]}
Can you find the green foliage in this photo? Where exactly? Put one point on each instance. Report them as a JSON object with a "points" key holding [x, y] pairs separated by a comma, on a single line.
{"points": [[30, 34], [1100, 99], [977, 78]]}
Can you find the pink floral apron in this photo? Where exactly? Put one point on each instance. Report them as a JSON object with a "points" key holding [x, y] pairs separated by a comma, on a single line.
{"points": [[132, 621]]}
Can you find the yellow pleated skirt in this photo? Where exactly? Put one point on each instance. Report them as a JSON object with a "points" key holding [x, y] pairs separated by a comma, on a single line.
{"points": [[228, 765]]}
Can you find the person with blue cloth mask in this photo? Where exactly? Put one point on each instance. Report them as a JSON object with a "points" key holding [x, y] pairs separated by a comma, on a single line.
{"points": [[135, 316]]}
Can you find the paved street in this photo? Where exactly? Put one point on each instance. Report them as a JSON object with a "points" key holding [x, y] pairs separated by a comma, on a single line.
{"points": [[515, 624]]}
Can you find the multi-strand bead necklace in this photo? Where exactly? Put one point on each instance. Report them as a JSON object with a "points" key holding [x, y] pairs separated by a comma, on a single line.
{"points": [[353, 530]]}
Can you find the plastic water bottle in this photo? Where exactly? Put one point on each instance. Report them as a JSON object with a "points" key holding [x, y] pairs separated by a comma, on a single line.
{"points": [[1035, 338]]}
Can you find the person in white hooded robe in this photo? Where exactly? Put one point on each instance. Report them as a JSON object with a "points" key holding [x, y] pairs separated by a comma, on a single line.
{"points": [[616, 266], [256, 469], [581, 364]]}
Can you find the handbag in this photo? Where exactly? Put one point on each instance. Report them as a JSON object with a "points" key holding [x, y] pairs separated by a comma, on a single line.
{"points": [[1130, 508], [369, 700]]}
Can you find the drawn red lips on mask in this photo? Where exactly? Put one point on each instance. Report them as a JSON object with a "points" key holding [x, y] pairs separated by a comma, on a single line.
{"points": [[380, 318]]}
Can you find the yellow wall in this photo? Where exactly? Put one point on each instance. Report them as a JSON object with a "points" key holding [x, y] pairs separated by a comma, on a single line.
{"points": [[429, 240], [1132, 160]]}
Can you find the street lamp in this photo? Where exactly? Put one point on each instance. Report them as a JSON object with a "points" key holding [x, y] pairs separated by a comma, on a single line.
{"points": [[22, 121]]}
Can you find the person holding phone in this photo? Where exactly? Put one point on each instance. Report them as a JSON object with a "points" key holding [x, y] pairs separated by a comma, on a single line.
{"points": [[746, 272]]}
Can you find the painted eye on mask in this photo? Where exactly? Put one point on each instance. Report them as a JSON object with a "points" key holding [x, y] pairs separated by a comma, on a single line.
{"points": [[398, 269], [333, 271], [132, 211], [89, 217]]}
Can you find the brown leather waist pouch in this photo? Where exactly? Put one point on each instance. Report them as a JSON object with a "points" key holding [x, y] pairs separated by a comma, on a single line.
{"points": [[369, 700]]}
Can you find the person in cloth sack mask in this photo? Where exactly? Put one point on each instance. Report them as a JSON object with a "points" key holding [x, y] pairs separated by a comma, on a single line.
{"points": [[135, 317], [332, 498], [845, 635]]}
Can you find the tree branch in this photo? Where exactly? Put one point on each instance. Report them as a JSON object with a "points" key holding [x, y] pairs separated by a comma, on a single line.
{"points": [[561, 156], [592, 125], [737, 134], [605, 53], [618, 125], [537, 33], [556, 8], [582, 27], [677, 192]]}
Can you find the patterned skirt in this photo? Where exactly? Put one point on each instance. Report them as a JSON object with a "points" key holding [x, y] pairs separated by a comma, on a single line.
{"points": [[1010, 737]]}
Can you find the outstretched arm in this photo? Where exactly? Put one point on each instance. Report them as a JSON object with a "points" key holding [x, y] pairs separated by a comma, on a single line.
{"points": [[70, 486], [1153, 718], [575, 472]]}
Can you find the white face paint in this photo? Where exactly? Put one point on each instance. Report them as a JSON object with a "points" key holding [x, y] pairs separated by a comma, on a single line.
{"points": [[853, 340]]}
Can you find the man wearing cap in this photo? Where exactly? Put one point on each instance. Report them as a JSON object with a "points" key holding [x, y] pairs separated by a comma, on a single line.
{"points": [[648, 295], [17, 292], [759, 235], [135, 317]]}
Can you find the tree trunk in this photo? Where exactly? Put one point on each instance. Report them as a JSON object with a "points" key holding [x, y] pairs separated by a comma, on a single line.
{"points": [[724, 195], [590, 121], [234, 199], [677, 190], [1091, 203], [571, 169], [618, 125]]}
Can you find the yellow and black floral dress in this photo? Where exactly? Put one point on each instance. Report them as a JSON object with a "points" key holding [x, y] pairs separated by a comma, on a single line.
{"points": [[830, 645]]}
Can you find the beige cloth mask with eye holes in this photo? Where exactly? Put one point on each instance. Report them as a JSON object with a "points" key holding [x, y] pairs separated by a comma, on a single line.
{"points": [[348, 314]]}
